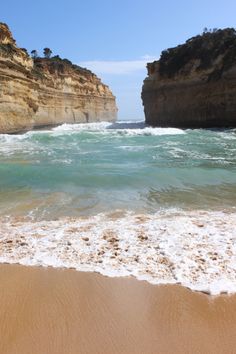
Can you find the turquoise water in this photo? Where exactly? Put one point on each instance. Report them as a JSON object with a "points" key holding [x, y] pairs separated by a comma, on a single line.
{"points": [[76, 170]]}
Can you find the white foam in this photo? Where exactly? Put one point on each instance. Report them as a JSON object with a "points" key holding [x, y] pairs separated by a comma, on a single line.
{"points": [[12, 143], [120, 128], [82, 126], [196, 249], [151, 131]]}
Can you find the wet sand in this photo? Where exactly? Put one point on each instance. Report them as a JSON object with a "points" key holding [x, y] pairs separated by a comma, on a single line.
{"points": [[52, 311]]}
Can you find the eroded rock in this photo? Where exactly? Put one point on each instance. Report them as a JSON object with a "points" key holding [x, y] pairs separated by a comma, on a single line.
{"points": [[45, 92], [194, 85]]}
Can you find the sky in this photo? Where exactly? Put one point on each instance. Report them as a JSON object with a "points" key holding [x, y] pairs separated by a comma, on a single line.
{"points": [[114, 38]]}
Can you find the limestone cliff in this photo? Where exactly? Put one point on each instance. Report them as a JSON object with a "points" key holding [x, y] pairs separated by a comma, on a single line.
{"points": [[42, 92], [194, 84]]}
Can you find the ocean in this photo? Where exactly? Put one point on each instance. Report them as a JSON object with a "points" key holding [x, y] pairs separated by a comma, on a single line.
{"points": [[123, 198]]}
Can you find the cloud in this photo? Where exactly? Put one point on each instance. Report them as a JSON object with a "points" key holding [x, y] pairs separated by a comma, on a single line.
{"points": [[122, 67]]}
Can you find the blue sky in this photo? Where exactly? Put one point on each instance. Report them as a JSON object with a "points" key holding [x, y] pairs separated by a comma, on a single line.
{"points": [[114, 38]]}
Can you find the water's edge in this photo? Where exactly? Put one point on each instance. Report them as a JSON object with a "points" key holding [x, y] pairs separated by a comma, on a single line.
{"points": [[194, 249], [122, 199]]}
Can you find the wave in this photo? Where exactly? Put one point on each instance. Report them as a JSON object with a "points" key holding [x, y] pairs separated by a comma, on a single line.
{"points": [[129, 128], [12, 142], [196, 249], [122, 128]]}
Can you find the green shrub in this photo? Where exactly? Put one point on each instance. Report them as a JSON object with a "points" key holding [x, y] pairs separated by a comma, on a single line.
{"points": [[206, 47]]}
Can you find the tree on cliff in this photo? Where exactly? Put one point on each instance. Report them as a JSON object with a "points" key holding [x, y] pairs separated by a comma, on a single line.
{"points": [[34, 54], [47, 52], [24, 50]]}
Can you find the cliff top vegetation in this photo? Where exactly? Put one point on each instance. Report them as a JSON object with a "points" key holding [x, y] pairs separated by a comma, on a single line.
{"points": [[53, 64], [206, 48], [58, 65]]}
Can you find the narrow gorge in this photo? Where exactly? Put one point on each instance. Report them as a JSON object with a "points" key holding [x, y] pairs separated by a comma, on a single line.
{"points": [[47, 91]]}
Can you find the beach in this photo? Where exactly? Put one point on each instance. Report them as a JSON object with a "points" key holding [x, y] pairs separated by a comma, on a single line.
{"points": [[117, 178], [116, 238], [57, 311], [122, 199]]}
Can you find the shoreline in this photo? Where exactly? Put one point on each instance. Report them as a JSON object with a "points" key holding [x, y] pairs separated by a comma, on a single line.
{"points": [[120, 276], [46, 310], [196, 250]]}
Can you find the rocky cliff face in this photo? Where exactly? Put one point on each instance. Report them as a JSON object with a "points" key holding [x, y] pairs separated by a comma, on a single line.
{"points": [[43, 92], [194, 84]]}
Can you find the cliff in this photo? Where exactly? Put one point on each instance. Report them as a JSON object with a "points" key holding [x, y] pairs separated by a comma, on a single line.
{"points": [[44, 92], [194, 84]]}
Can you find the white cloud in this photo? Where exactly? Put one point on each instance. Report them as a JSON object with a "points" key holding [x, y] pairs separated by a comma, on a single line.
{"points": [[148, 57], [122, 67]]}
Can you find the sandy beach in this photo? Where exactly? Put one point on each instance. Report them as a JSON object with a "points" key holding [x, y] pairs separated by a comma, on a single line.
{"points": [[55, 311]]}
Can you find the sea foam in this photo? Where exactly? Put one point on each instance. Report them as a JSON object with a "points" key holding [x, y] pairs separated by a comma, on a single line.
{"points": [[121, 128], [196, 249]]}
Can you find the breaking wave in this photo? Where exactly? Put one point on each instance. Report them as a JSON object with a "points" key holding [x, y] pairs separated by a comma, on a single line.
{"points": [[123, 128], [175, 190]]}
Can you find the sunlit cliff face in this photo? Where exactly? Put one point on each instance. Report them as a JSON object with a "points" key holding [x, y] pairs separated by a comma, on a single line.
{"points": [[47, 92], [5, 35]]}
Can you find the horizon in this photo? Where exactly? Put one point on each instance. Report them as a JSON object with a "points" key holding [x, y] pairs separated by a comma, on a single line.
{"points": [[116, 40]]}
